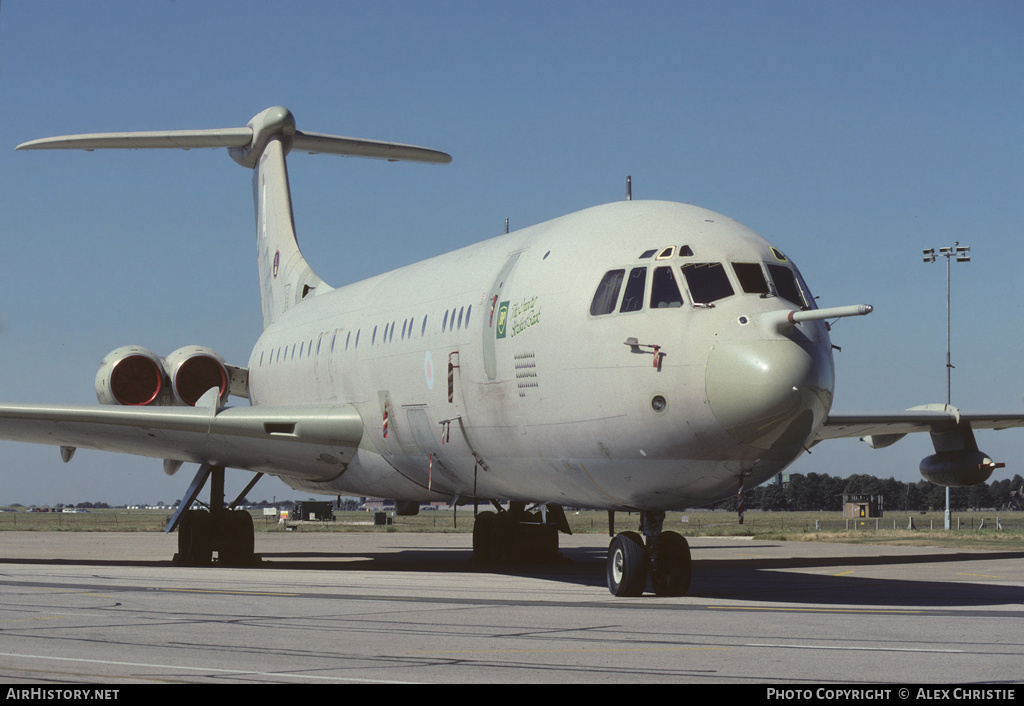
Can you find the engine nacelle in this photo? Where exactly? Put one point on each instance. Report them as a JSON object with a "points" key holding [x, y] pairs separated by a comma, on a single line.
{"points": [[958, 469], [193, 370], [132, 375]]}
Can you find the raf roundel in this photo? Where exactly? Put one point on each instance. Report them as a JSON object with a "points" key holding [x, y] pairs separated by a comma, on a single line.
{"points": [[428, 370]]}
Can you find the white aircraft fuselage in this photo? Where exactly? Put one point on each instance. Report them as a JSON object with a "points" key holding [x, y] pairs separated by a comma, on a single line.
{"points": [[641, 356], [498, 378]]}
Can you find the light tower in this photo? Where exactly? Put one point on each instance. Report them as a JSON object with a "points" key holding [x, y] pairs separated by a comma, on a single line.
{"points": [[962, 253]]}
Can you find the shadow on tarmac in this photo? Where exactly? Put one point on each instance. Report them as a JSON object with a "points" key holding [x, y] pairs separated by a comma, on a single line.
{"points": [[797, 580]]}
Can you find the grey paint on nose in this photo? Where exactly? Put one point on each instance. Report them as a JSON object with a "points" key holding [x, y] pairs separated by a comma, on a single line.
{"points": [[768, 393]]}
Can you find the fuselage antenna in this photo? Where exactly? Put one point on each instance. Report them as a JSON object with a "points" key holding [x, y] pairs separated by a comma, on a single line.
{"points": [[629, 188]]}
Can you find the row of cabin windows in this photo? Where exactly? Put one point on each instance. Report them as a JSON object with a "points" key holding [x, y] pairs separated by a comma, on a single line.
{"points": [[707, 282], [456, 319]]}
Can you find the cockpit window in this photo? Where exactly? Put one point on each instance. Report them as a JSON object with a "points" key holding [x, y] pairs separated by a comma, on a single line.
{"points": [[786, 285], [633, 299], [751, 277], [607, 293], [708, 282], [664, 290], [808, 297]]}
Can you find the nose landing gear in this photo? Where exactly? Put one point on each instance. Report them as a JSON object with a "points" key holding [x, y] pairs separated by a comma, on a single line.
{"points": [[665, 558]]}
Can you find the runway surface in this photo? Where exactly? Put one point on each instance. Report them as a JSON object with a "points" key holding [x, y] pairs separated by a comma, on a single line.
{"points": [[410, 608]]}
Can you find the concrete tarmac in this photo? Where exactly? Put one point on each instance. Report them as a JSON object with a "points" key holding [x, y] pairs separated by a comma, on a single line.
{"points": [[380, 607]]}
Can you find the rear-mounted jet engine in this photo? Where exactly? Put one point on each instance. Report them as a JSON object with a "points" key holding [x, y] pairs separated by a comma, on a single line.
{"points": [[135, 376]]}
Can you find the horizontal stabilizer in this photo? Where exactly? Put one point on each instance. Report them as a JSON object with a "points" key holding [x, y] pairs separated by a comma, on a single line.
{"points": [[315, 143], [171, 139], [246, 143]]}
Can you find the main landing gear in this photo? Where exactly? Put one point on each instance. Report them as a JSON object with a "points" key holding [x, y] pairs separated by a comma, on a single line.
{"points": [[666, 558], [221, 529], [517, 535]]}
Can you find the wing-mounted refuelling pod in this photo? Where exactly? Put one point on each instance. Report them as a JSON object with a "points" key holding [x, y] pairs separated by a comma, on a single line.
{"points": [[957, 461]]}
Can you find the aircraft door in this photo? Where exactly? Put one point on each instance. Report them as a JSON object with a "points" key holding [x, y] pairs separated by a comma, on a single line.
{"points": [[439, 466], [498, 317]]}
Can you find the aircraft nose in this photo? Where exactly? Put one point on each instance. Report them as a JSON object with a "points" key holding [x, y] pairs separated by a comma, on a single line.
{"points": [[769, 394]]}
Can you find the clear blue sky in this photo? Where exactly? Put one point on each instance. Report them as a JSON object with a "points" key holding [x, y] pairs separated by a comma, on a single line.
{"points": [[850, 134]]}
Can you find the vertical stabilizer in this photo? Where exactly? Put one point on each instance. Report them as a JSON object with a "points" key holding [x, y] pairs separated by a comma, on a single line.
{"points": [[285, 276]]}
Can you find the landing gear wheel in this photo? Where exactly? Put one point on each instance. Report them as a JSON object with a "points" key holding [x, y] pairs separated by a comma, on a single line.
{"points": [[195, 538], [485, 538], [238, 539], [671, 565], [627, 565]]}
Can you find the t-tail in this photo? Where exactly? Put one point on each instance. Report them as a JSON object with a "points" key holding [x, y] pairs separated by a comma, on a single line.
{"points": [[262, 145]]}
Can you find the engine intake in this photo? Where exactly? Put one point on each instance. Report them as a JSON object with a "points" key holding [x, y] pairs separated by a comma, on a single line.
{"points": [[131, 375], [194, 370]]}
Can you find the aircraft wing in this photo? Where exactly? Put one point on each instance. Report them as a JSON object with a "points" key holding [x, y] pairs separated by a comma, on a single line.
{"points": [[302, 441], [896, 424]]}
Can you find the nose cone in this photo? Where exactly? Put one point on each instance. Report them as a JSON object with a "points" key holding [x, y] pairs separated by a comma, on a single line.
{"points": [[769, 394]]}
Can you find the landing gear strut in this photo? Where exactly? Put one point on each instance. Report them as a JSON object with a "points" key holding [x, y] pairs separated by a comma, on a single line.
{"points": [[224, 530], [665, 557], [515, 535]]}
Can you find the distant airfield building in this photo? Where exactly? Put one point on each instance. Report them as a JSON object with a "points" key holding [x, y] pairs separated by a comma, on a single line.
{"points": [[860, 506]]}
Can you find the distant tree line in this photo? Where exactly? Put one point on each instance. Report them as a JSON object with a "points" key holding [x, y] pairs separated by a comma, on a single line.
{"points": [[822, 492]]}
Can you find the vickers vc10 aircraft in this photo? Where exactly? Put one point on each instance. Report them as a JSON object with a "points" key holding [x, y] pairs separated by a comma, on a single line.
{"points": [[638, 356]]}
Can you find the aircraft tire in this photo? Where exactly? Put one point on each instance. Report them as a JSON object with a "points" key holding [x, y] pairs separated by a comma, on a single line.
{"points": [[671, 565], [627, 565], [195, 534], [239, 539], [485, 537]]}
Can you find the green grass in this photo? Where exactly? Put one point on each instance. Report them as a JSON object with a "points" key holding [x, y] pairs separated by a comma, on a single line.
{"points": [[788, 526]]}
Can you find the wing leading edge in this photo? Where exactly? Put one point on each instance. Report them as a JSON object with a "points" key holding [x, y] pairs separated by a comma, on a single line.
{"points": [[307, 442], [892, 426]]}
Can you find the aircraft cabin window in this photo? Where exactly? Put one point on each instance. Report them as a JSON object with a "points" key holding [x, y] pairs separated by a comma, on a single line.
{"points": [[607, 293], [751, 277], [423, 329], [347, 337], [461, 312], [469, 310], [707, 281], [785, 284], [444, 322], [664, 290], [373, 338], [633, 299]]}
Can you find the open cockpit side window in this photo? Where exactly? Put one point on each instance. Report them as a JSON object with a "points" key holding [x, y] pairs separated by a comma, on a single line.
{"points": [[786, 285]]}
